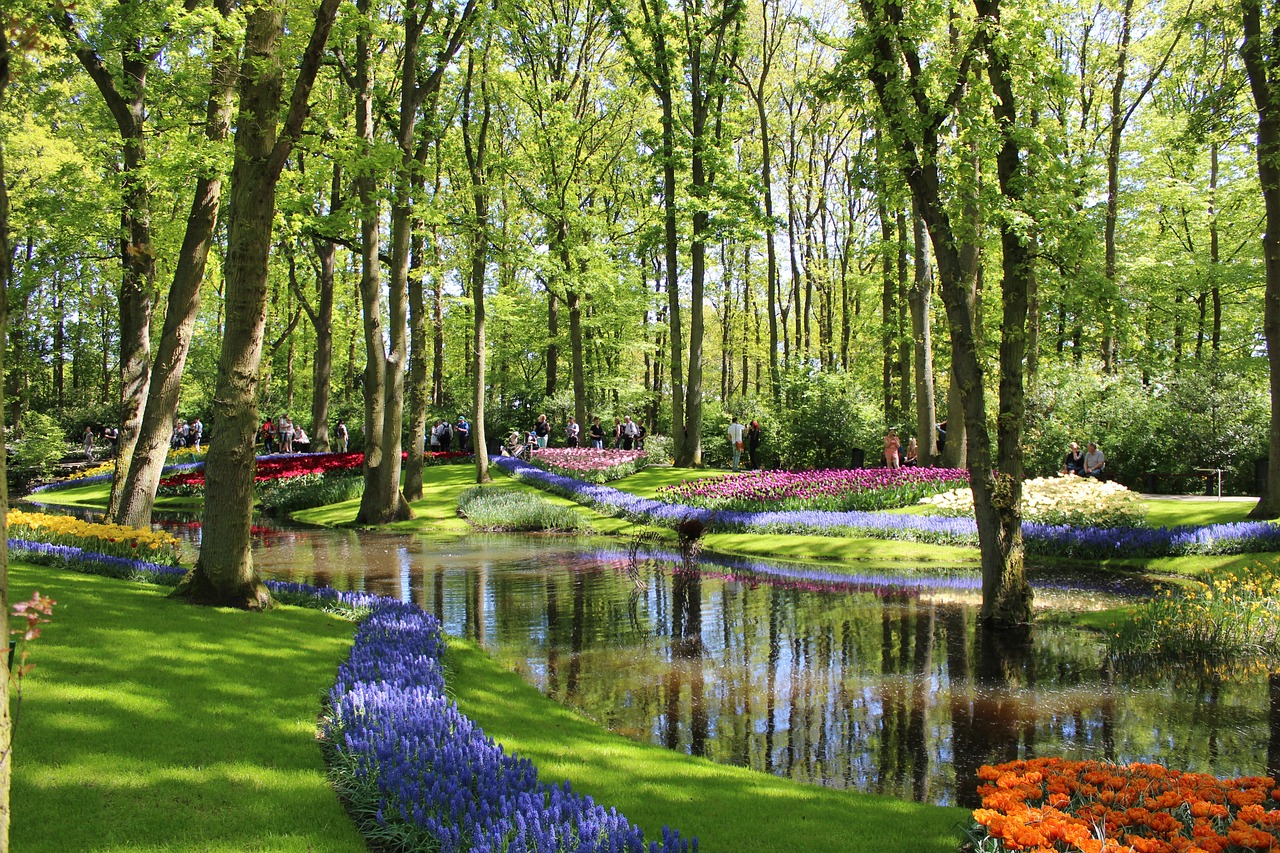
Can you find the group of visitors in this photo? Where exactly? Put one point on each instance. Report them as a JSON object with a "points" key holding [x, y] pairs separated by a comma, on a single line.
{"points": [[744, 438], [626, 434], [187, 434], [282, 435], [441, 436], [110, 435], [1091, 463], [897, 456]]}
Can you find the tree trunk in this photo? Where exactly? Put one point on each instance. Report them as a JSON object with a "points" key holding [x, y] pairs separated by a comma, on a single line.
{"points": [[921, 300], [137, 255], [1261, 66], [6, 270], [382, 500], [147, 461], [224, 573]]}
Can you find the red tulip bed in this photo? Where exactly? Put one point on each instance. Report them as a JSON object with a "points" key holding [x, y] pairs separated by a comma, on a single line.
{"points": [[836, 490], [191, 483]]}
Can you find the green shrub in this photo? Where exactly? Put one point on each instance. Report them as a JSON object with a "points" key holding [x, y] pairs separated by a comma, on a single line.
{"points": [[39, 446], [1202, 416], [290, 494], [515, 510]]}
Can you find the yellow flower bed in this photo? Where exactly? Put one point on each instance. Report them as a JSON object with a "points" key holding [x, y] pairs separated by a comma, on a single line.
{"points": [[116, 540], [108, 467], [1059, 500]]}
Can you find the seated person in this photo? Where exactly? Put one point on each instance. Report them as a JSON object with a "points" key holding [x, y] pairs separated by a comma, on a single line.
{"points": [[1073, 462], [301, 441], [1095, 462]]}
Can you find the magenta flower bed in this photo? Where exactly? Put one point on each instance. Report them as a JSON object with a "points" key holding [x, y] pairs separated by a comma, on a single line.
{"points": [[586, 463], [839, 490]]}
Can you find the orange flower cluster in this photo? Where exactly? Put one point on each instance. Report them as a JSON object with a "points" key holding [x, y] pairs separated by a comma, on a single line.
{"points": [[1047, 805]]}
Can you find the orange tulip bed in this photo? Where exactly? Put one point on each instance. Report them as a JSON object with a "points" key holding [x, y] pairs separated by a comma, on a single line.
{"points": [[1048, 804]]}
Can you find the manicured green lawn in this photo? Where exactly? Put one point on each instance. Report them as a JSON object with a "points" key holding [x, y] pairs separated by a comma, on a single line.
{"points": [[730, 809], [152, 725]]}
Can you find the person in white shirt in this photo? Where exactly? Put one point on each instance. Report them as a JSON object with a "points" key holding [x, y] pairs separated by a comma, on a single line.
{"points": [[735, 440]]}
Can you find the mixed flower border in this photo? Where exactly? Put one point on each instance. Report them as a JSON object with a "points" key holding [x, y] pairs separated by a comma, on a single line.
{"points": [[1061, 540], [411, 765]]}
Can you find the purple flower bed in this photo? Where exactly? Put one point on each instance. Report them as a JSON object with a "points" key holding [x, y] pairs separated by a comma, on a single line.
{"points": [[836, 490], [92, 563], [437, 780], [1053, 540]]}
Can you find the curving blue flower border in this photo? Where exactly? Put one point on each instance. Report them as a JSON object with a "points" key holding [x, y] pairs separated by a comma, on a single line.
{"points": [[1058, 540], [439, 780]]}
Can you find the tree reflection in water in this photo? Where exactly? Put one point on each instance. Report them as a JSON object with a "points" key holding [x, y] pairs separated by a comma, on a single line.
{"points": [[875, 682]]}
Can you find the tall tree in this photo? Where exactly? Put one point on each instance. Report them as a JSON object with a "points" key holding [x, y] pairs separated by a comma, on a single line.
{"points": [[139, 40], [224, 573], [891, 54], [477, 115], [133, 507], [1262, 63]]}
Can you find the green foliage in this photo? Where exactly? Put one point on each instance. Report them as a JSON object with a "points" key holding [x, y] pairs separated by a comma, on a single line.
{"points": [[823, 418], [284, 495], [39, 446], [1203, 416], [517, 510]]}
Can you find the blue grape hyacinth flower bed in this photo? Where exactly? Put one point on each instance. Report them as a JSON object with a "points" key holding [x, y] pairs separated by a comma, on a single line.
{"points": [[422, 776]]}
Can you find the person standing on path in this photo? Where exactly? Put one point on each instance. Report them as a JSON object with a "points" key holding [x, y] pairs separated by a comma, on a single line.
{"points": [[571, 432], [735, 440], [88, 443], [753, 444], [892, 444], [597, 434], [343, 435]]}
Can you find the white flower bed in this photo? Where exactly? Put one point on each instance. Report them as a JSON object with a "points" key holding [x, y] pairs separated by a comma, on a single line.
{"points": [[1059, 500]]}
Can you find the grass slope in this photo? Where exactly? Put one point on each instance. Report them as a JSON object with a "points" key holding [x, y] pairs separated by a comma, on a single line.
{"points": [[730, 809], [152, 725]]}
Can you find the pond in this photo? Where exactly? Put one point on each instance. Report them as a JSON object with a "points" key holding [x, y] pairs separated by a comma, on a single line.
{"points": [[876, 682]]}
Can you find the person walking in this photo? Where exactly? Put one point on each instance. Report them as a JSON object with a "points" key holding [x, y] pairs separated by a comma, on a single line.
{"points": [[617, 433], [892, 444], [197, 433], [571, 433], [462, 431], [597, 434], [753, 444], [629, 432], [343, 436], [735, 440], [88, 443], [542, 430]]}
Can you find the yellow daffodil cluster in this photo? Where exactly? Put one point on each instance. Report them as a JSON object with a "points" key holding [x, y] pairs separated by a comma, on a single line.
{"points": [[1059, 500], [116, 540], [1235, 616], [108, 467], [185, 454]]}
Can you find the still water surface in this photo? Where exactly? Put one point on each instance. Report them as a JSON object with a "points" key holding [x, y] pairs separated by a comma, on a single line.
{"points": [[879, 683]]}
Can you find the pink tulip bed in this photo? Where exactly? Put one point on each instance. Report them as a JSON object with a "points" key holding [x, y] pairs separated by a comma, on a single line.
{"points": [[836, 490], [279, 467], [589, 464]]}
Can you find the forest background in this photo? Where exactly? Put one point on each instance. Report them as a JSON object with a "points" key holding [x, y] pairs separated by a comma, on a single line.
{"points": [[561, 156]]}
